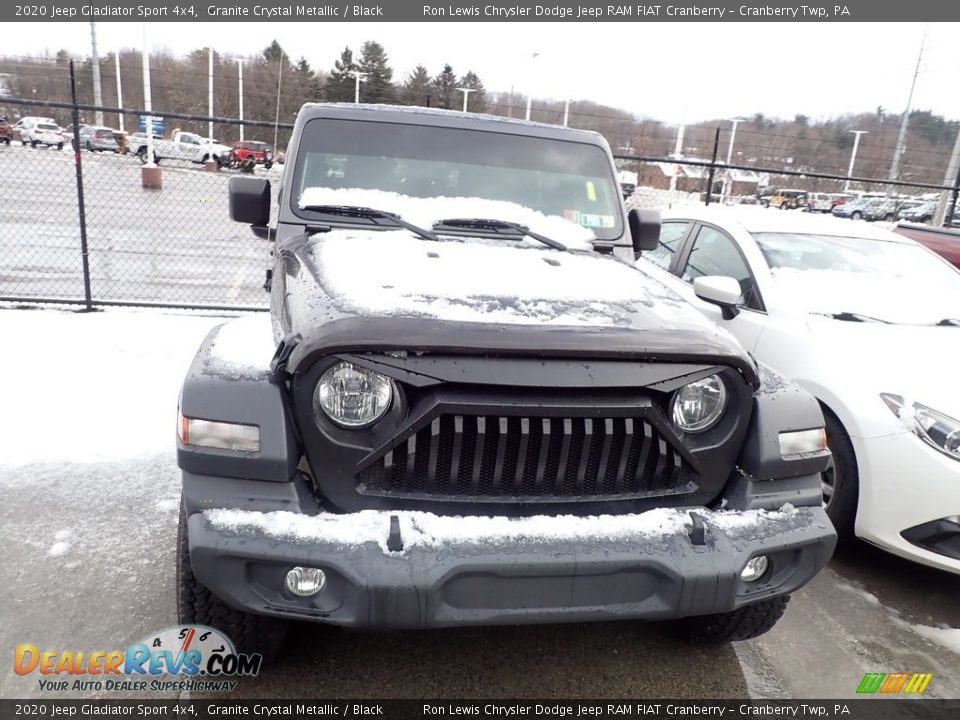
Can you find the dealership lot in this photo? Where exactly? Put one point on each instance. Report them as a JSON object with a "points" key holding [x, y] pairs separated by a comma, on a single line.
{"points": [[90, 489]]}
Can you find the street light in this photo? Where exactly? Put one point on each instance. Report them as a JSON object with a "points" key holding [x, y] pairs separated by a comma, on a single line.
{"points": [[853, 155], [357, 76], [240, 91], [466, 93], [533, 57], [726, 176]]}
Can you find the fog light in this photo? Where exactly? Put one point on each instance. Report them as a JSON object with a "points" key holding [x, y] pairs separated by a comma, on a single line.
{"points": [[305, 581], [755, 569]]}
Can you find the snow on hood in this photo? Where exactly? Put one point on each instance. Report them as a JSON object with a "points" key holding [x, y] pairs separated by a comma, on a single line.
{"points": [[424, 529], [242, 348], [426, 212], [497, 281], [901, 300]]}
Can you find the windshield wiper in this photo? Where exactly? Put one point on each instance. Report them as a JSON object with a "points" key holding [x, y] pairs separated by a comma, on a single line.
{"points": [[371, 214], [854, 317], [499, 226]]}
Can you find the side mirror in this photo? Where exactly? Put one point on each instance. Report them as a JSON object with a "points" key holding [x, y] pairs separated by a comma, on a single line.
{"points": [[250, 200], [719, 290], [644, 230]]}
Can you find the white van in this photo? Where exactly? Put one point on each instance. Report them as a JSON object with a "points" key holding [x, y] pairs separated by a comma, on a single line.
{"points": [[40, 131]]}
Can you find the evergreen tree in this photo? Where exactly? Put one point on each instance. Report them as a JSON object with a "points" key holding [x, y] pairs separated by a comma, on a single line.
{"points": [[273, 52], [444, 86], [305, 82], [417, 88], [340, 83], [477, 100], [378, 83]]}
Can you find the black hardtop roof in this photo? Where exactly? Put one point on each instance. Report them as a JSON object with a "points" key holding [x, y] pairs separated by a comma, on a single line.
{"points": [[437, 117]]}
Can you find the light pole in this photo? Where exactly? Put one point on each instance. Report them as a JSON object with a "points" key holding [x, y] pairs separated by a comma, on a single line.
{"points": [[116, 61], [357, 77], [533, 57], [466, 93], [150, 174], [97, 94], [853, 155], [726, 176], [566, 111], [902, 134], [240, 92]]}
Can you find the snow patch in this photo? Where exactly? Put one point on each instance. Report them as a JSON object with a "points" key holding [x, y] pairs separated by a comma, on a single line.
{"points": [[945, 636], [58, 548], [426, 212], [242, 348], [423, 529], [868, 597]]}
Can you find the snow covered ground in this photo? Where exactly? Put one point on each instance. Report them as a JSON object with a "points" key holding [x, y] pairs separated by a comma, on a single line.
{"points": [[90, 492]]}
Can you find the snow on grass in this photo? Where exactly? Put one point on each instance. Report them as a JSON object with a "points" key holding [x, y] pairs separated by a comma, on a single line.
{"points": [[423, 529], [90, 387], [481, 281], [426, 212]]}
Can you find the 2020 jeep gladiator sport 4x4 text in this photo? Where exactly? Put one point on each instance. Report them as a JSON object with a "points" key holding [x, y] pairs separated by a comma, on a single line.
{"points": [[475, 411]]}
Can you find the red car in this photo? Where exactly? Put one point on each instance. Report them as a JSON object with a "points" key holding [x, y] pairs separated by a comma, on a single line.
{"points": [[249, 153], [5, 135], [943, 241]]}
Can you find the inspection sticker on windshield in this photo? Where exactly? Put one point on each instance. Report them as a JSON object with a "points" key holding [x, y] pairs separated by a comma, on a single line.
{"points": [[588, 220]]}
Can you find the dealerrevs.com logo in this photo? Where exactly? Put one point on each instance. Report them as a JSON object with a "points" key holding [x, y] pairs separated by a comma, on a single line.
{"points": [[187, 657]]}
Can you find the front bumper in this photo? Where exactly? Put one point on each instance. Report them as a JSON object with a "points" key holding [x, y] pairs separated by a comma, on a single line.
{"points": [[510, 581], [905, 484]]}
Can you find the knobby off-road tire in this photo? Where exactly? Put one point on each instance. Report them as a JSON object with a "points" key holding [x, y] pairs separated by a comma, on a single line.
{"points": [[744, 623], [198, 606], [844, 477]]}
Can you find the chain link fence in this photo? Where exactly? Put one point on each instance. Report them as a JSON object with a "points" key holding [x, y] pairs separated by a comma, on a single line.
{"points": [[81, 228]]}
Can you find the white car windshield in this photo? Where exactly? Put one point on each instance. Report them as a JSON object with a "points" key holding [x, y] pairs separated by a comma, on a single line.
{"points": [[862, 279]]}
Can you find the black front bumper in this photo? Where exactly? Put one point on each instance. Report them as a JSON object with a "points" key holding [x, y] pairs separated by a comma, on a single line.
{"points": [[495, 582]]}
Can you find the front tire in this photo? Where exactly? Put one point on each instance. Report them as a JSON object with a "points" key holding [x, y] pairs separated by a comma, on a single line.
{"points": [[196, 605], [841, 480], [856, 215], [744, 623]]}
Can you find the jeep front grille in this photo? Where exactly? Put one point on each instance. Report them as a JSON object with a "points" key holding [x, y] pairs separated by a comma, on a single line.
{"points": [[529, 459]]}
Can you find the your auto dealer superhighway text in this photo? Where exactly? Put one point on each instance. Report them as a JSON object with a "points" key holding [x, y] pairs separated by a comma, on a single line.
{"points": [[587, 12]]}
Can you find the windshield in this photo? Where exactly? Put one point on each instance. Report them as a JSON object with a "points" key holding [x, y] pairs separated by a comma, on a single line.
{"points": [[892, 281], [558, 178]]}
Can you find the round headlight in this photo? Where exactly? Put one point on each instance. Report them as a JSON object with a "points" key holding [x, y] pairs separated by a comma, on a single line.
{"points": [[352, 396], [698, 406]]}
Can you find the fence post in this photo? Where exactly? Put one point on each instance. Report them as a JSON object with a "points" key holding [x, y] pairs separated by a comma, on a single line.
{"points": [[80, 205], [713, 165]]}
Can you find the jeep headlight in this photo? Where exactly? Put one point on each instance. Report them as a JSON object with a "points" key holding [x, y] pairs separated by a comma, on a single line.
{"points": [[698, 406], [352, 396], [934, 428]]}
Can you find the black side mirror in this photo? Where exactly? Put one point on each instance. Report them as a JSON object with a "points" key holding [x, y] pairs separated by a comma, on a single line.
{"points": [[644, 230], [250, 200]]}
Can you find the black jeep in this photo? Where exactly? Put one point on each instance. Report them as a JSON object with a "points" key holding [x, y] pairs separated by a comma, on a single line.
{"points": [[477, 411]]}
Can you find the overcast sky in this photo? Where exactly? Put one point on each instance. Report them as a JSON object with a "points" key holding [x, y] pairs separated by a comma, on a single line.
{"points": [[676, 72]]}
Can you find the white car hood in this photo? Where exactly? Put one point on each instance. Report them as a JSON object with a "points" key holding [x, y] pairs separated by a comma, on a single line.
{"points": [[917, 362]]}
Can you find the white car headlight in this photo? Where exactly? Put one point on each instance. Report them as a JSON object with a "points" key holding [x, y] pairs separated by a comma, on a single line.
{"points": [[352, 396], [698, 406], [936, 429]]}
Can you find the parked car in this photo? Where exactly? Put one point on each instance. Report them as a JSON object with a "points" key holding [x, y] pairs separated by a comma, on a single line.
{"points": [[788, 199], [820, 202], [880, 209], [181, 146], [763, 196], [5, 135], [852, 209], [840, 199], [97, 138], [869, 322], [627, 189], [492, 360], [922, 213], [249, 153], [943, 241], [34, 131]]}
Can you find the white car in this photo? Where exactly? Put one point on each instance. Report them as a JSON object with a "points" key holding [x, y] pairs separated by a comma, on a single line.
{"points": [[40, 131], [867, 321]]}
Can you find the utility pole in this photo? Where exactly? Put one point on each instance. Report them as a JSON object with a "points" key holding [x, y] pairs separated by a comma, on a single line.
{"points": [[898, 150], [466, 93], [240, 92], [116, 62], [947, 197], [533, 57], [566, 112], [210, 93], [677, 153], [150, 174], [357, 77], [97, 94], [853, 156]]}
